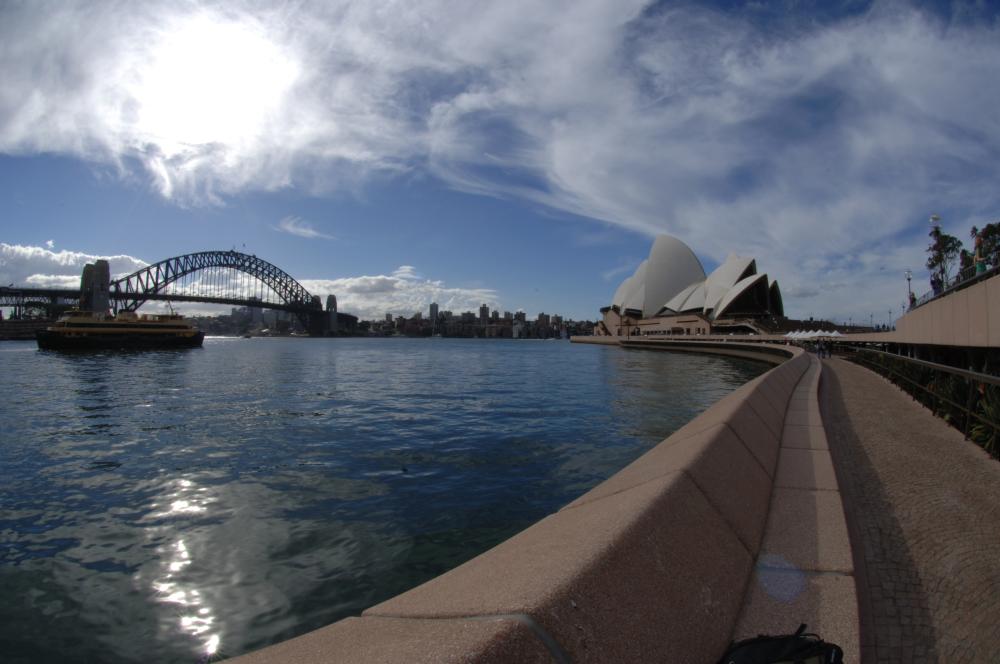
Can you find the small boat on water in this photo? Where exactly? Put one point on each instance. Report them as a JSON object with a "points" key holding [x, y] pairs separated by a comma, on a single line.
{"points": [[86, 330]]}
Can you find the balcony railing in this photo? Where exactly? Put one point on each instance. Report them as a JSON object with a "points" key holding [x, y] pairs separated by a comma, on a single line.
{"points": [[963, 279]]}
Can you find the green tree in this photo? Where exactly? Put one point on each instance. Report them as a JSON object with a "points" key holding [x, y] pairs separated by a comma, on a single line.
{"points": [[966, 261], [990, 247], [942, 253]]}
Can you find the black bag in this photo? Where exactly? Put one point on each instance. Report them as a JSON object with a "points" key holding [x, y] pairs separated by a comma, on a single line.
{"points": [[797, 648]]}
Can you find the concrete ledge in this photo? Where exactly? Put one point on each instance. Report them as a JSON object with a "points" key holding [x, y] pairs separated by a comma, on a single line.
{"points": [[601, 341], [386, 640], [753, 351], [737, 413], [597, 577], [651, 565], [806, 469], [804, 437], [771, 349], [804, 571], [780, 600], [719, 464], [808, 530]]}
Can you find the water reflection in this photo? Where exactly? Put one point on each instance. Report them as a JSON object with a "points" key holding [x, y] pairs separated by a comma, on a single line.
{"points": [[193, 614], [266, 490], [95, 395]]}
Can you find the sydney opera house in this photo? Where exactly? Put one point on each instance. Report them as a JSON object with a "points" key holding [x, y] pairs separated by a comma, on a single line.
{"points": [[669, 294]]}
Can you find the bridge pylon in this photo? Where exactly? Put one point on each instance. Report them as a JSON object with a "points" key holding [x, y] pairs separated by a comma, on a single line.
{"points": [[319, 322]]}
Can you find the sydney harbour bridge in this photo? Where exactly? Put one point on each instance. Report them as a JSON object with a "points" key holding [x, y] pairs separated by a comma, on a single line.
{"points": [[216, 277]]}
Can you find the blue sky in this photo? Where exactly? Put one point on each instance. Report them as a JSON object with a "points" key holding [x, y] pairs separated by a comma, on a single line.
{"points": [[516, 153]]}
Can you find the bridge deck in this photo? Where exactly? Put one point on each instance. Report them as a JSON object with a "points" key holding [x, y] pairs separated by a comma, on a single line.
{"points": [[923, 506]]}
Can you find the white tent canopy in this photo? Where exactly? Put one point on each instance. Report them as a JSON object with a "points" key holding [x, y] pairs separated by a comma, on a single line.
{"points": [[811, 334]]}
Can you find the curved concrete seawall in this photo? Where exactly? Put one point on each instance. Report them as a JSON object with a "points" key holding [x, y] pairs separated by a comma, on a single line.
{"points": [[654, 564]]}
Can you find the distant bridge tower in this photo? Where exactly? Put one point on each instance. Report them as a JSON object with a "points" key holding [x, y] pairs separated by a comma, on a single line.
{"points": [[94, 287], [331, 310]]}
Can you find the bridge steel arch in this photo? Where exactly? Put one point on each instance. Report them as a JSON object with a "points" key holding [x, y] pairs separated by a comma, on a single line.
{"points": [[131, 291]]}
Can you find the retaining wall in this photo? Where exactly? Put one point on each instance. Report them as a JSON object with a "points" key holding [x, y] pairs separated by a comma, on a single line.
{"points": [[967, 317], [651, 565]]}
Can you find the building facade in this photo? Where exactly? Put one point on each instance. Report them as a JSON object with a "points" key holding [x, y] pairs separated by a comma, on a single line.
{"points": [[669, 294]]}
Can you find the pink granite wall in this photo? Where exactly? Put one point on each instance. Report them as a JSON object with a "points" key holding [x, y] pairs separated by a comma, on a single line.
{"points": [[969, 317]]}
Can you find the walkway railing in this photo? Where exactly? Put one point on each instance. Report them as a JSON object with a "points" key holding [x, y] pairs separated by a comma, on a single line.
{"points": [[963, 279], [967, 400]]}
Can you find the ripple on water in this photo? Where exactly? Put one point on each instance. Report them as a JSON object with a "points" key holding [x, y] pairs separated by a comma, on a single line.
{"points": [[179, 506]]}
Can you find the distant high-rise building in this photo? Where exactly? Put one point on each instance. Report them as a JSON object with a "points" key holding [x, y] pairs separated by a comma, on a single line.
{"points": [[388, 318], [543, 319], [494, 316], [484, 313], [256, 313], [520, 315], [508, 316], [434, 311]]}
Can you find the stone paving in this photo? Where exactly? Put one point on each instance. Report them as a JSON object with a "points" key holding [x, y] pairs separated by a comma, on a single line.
{"points": [[923, 509]]}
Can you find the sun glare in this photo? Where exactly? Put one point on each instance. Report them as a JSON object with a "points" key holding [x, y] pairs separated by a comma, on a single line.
{"points": [[211, 80]]}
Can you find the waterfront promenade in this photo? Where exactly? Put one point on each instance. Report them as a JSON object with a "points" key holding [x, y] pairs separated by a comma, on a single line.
{"points": [[923, 506]]}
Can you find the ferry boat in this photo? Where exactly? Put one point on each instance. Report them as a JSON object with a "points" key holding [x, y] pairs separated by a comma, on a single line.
{"points": [[86, 330]]}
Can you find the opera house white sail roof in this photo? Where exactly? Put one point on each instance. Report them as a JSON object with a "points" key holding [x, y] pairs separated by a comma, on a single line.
{"points": [[672, 281], [671, 266]]}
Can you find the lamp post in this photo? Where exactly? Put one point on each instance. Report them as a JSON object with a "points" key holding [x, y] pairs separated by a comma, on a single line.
{"points": [[909, 290]]}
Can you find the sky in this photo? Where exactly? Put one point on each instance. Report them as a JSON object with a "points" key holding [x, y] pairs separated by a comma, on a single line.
{"points": [[516, 153]]}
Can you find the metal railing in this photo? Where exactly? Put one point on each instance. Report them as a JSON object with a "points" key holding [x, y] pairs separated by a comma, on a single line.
{"points": [[963, 279], [966, 400]]}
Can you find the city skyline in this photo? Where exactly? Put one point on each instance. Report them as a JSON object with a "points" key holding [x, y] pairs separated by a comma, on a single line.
{"points": [[519, 156]]}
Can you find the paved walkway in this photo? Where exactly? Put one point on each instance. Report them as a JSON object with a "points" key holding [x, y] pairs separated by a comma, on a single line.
{"points": [[923, 508]]}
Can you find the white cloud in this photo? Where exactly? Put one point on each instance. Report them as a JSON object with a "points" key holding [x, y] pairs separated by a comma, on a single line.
{"points": [[41, 267], [50, 244], [402, 293], [301, 228], [52, 281], [806, 145], [621, 272], [406, 272]]}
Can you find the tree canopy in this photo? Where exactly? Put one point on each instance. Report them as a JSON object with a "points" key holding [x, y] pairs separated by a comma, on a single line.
{"points": [[942, 253], [990, 242]]}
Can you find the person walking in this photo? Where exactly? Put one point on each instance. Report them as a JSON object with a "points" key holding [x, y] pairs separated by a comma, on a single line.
{"points": [[979, 261]]}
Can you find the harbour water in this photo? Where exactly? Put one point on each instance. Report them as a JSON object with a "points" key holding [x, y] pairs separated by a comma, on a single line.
{"points": [[192, 505]]}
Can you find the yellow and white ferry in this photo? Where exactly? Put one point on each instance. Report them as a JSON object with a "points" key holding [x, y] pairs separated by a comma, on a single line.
{"points": [[86, 330]]}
